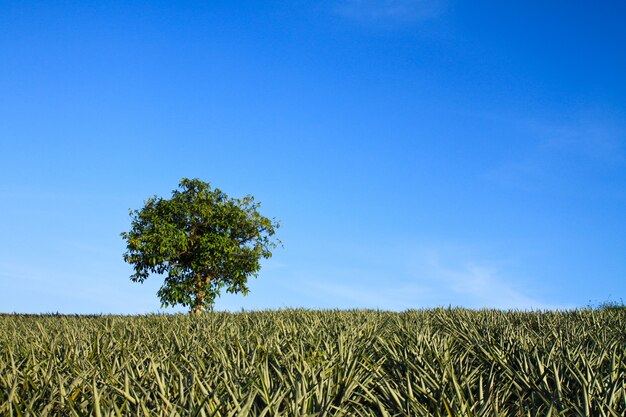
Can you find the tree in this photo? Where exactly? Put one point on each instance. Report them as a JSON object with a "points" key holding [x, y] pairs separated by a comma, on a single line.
{"points": [[201, 240]]}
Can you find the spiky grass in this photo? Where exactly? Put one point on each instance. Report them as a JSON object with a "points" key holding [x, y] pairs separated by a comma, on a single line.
{"points": [[442, 362]]}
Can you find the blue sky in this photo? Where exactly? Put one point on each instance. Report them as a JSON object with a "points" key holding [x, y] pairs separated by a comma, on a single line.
{"points": [[417, 153]]}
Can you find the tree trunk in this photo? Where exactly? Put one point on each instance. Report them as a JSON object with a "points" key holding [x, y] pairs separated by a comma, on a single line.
{"points": [[197, 310], [200, 293]]}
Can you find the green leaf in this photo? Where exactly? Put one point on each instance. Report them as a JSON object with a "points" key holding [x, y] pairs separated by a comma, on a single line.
{"points": [[202, 239]]}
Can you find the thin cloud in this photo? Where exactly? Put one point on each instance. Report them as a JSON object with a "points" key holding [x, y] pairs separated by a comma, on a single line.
{"points": [[456, 279], [388, 11], [559, 149], [71, 291], [396, 298], [421, 278], [590, 138], [481, 285]]}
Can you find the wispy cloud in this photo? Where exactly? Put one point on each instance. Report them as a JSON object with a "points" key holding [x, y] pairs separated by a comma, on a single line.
{"points": [[43, 288], [388, 11], [555, 151], [349, 294], [477, 283], [590, 138], [422, 277]]}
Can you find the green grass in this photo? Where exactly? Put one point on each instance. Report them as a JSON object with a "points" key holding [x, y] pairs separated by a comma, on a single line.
{"points": [[612, 305], [442, 362]]}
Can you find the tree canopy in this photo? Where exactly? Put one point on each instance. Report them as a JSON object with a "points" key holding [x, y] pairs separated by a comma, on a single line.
{"points": [[201, 241]]}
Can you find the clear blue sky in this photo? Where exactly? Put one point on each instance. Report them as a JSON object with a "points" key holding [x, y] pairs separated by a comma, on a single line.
{"points": [[417, 153]]}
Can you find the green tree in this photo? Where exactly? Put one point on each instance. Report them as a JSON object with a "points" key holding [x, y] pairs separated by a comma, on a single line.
{"points": [[201, 241]]}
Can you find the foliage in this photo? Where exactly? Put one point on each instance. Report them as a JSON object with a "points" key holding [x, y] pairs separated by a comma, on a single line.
{"points": [[443, 362], [612, 305], [202, 240], [609, 305]]}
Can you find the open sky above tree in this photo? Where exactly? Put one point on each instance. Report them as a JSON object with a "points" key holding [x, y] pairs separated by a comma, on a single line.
{"points": [[417, 153]]}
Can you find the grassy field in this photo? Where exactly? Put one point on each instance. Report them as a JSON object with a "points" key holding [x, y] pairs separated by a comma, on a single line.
{"points": [[441, 362]]}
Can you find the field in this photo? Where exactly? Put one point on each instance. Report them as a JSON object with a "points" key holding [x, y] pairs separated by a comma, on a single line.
{"points": [[441, 362]]}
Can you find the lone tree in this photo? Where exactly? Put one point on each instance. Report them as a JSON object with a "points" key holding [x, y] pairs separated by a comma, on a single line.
{"points": [[202, 239]]}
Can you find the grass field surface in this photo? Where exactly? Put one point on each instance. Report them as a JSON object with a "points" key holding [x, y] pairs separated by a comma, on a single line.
{"points": [[441, 362]]}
